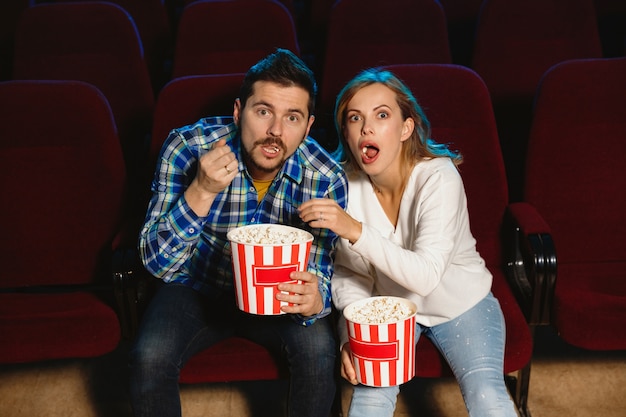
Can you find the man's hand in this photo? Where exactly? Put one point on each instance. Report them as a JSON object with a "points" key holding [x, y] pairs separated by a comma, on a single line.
{"points": [[216, 170], [304, 296]]}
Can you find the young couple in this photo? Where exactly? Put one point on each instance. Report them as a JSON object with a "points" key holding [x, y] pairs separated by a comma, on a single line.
{"points": [[402, 229]]}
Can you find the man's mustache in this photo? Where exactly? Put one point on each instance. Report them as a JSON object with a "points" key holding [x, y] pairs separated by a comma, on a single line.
{"points": [[271, 142]]}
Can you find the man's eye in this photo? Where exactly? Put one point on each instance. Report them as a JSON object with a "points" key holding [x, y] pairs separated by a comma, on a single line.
{"points": [[263, 112], [293, 118]]}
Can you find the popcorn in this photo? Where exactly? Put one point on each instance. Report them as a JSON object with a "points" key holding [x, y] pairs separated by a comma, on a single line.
{"points": [[381, 333], [268, 235], [264, 255], [380, 310]]}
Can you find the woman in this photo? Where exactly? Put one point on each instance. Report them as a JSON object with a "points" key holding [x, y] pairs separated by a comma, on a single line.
{"points": [[406, 233]]}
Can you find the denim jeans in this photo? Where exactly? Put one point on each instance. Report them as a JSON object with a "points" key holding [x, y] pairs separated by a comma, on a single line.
{"points": [[473, 345], [181, 322]]}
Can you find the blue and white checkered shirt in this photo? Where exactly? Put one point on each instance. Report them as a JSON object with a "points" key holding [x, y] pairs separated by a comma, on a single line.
{"points": [[179, 246]]}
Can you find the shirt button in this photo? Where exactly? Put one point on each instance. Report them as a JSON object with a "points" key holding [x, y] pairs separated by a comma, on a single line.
{"points": [[165, 255], [191, 230]]}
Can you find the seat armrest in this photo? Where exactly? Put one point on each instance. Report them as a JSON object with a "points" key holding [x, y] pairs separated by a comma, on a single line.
{"points": [[133, 288], [531, 262]]}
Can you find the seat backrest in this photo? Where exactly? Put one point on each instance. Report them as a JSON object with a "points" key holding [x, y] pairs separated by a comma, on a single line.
{"points": [[575, 166], [517, 41], [153, 24], [186, 100], [362, 34], [222, 36], [457, 104], [63, 182], [95, 42]]}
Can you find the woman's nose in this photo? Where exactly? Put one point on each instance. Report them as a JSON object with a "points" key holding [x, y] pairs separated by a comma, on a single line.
{"points": [[366, 129]]}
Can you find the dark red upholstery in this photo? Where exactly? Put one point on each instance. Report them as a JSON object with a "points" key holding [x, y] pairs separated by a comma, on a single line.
{"points": [[95, 42], [234, 359], [63, 184], [185, 100], [362, 34], [221, 36], [153, 24], [515, 43], [575, 179], [38, 327], [457, 103]]}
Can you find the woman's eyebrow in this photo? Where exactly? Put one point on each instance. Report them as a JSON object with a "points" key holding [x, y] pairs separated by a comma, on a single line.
{"points": [[381, 106]]}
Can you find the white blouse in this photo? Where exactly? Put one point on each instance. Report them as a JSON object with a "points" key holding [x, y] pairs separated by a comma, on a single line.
{"points": [[429, 258]]}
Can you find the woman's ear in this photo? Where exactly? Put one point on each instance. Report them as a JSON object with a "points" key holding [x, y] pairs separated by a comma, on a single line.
{"points": [[407, 128]]}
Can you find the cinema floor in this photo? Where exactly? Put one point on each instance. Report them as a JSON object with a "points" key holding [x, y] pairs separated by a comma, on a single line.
{"points": [[565, 381]]}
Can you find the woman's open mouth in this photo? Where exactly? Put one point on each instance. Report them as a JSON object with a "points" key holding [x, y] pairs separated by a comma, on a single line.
{"points": [[369, 153]]}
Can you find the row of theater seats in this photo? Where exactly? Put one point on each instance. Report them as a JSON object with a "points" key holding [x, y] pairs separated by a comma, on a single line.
{"points": [[49, 252], [130, 49], [64, 184]]}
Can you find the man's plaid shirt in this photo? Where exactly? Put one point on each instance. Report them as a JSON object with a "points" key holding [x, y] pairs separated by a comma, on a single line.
{"points": [[178, 246]]}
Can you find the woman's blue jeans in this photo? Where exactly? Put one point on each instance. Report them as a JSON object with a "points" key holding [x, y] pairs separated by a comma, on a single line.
{"points": [[473, 345], [180, 322]]}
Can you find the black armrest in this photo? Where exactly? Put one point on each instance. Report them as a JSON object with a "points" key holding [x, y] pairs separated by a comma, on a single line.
{"points": [[531, 262], [133, 287]]}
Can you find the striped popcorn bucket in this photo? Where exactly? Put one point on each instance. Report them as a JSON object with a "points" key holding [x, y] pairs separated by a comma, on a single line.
{"points": [[262, 257], [383, 354]]}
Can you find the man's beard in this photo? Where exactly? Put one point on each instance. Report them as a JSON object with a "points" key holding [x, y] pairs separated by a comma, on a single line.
{"points": [[247, 156]]}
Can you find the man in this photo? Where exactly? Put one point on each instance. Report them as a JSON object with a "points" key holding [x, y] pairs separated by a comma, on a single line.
{"points": [[218, 174]]}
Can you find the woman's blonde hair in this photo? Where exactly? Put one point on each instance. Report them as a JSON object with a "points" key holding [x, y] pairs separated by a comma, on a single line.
{"points": [[418, 146]]}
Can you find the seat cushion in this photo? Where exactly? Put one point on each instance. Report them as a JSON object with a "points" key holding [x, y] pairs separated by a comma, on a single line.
{"points": [[518, 338], [590, 305], [36, 327], [233, 359]]}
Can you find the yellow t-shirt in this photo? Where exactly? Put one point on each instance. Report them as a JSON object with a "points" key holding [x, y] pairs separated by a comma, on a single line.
{"points": [[261, 188]]}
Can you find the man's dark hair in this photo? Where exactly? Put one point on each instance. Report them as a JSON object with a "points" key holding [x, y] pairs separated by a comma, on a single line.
{"points": [[284, 68]]}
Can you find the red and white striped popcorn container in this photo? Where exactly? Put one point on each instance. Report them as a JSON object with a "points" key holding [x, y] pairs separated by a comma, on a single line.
{"points": [[263, 255], [382, 341]]}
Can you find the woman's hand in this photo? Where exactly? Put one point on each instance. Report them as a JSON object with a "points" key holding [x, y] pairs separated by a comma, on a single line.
{"points": [[347, 366], [324, 212]]}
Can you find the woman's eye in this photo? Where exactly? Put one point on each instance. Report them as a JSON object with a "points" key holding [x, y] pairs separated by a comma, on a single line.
{"points": [[354, 118], [383, 115]]}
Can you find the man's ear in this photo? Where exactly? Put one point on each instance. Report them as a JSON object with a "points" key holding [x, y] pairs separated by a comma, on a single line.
{"points": [[310, 123], [237, 111]]}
